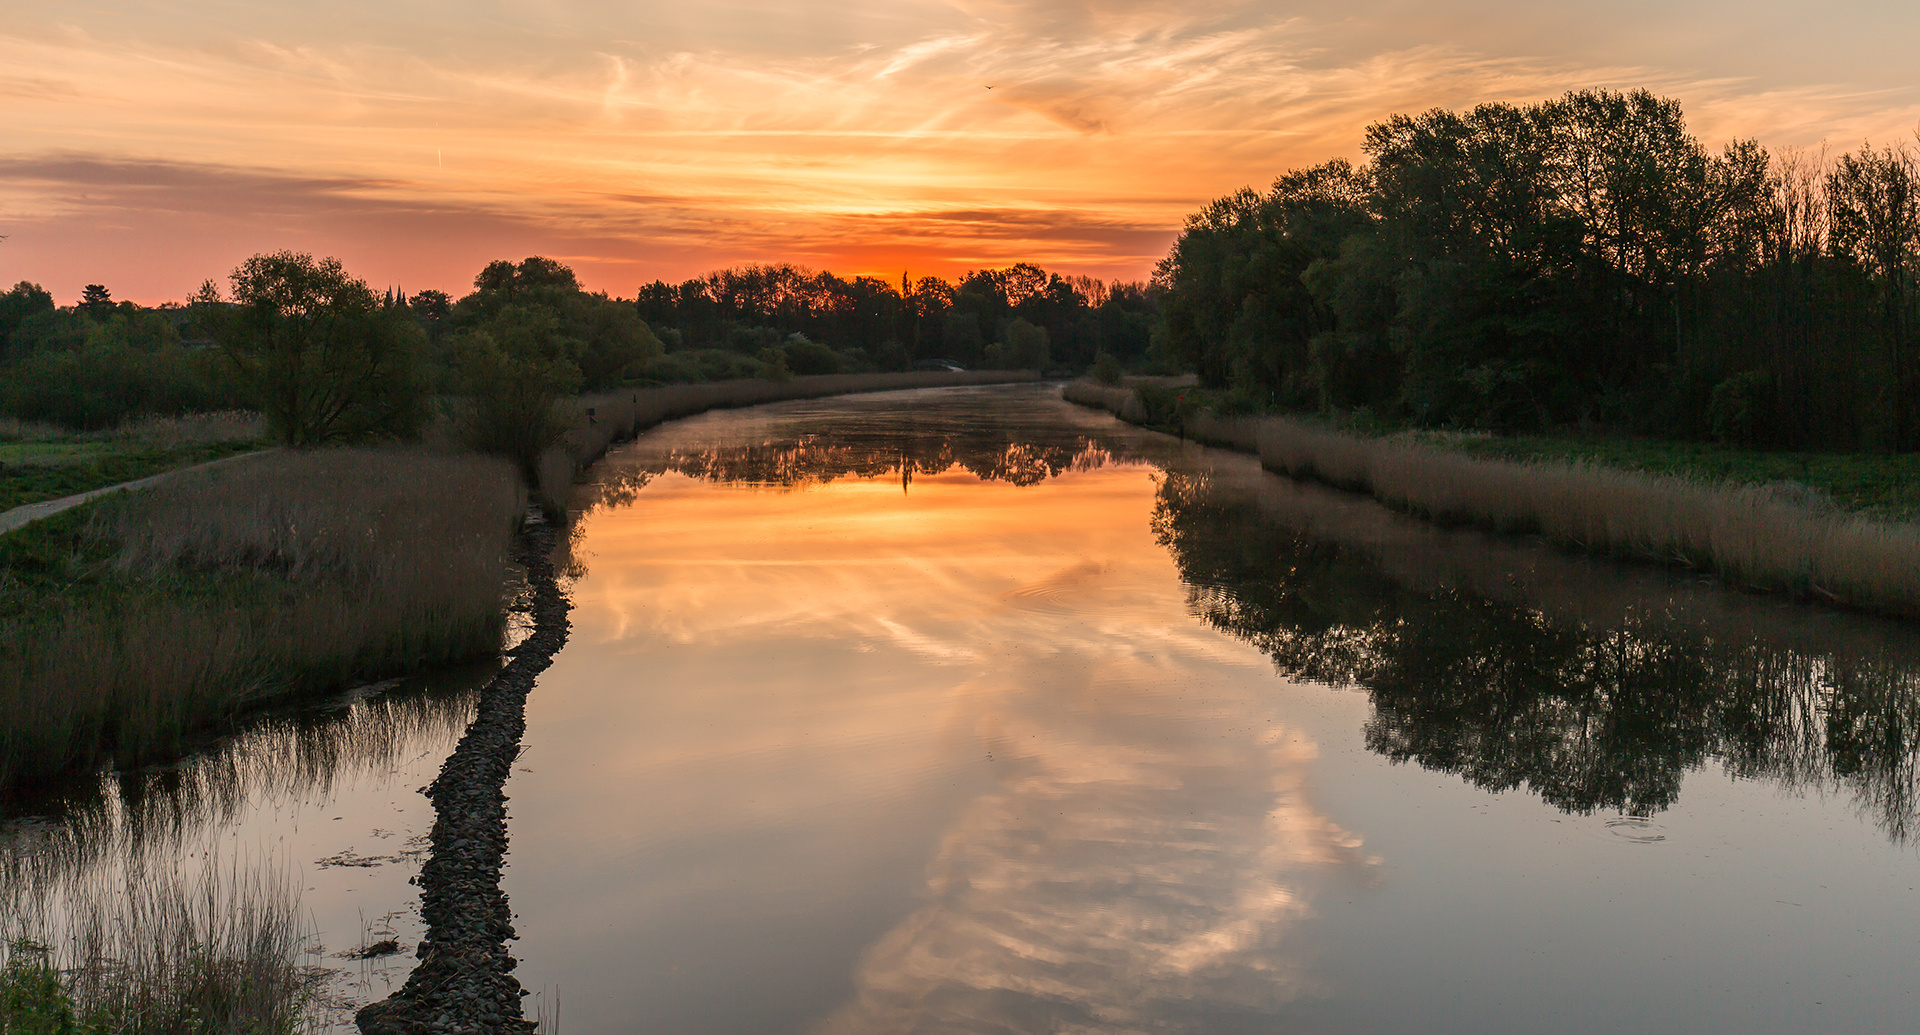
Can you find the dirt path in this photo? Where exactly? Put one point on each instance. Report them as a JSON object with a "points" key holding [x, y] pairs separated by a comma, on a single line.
{"points": [[31, 512]]}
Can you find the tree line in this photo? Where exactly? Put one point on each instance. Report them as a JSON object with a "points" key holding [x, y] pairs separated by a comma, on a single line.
{"points": [[1021, 317], [329, 358], [1582, 261]]}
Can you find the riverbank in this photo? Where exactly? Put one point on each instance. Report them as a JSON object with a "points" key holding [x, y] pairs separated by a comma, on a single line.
{"points": [[1769, 537], [133, 625]]}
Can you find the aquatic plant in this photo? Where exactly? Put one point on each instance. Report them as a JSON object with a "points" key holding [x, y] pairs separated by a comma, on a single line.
{"points": [[212, 954]]}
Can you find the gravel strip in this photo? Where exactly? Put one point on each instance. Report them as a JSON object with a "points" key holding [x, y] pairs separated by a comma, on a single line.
{"points": [[464, 981]]}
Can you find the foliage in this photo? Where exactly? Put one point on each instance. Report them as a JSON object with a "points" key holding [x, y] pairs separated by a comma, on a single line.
{"points": [[537, 312], [323, 359], [1737, 410], [755, 308], [1022, 346], [99, 387], [32, 999], [1578, 261], [513, 395]]}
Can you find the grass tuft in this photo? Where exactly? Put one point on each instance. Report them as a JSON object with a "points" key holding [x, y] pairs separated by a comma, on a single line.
{"points": [[211, 954]]}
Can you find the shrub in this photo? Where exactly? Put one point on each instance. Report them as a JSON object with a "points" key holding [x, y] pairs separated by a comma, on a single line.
{"points": [[1741, 409], [101, 387], [513, 403], [809, 357]]}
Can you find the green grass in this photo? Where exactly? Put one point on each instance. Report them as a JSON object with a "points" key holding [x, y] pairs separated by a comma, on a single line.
{"points": [[1877, 485], [35, 471]]}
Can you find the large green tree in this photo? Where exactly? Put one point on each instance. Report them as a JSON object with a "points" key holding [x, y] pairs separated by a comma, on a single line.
{"points": [[322, 358]]}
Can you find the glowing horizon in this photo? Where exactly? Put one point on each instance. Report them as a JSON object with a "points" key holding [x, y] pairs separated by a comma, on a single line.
{"points": [[418, 140]]}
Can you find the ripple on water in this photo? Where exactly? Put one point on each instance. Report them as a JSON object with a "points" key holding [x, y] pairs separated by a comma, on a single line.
{"points": [[1635, 830], [1069, 591]]}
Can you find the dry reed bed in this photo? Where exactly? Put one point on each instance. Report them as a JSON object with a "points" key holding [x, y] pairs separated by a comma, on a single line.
{"points": [[1778, 538], [229, 586]]}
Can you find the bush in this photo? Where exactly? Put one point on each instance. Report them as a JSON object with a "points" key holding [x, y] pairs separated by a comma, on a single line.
{"points": [[1106, 369], [32, 999], [102, 387], [809, 357], [513, 403], [1741, 409], [697, 365]]}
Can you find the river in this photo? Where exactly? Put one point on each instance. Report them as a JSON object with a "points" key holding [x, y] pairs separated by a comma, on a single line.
{"points": [[967, 710]]}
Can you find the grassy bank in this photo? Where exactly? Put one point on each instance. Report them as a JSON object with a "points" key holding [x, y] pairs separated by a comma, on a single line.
{"points": [[1878, 485], [1777, 536], [130, 624], [41, 462]]}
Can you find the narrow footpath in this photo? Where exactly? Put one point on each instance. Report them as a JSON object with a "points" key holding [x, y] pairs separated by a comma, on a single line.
{"points": [[30, 512], [464, 981]]}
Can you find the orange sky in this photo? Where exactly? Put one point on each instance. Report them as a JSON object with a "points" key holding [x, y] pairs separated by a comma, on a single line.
{"points": [[150, 146]]}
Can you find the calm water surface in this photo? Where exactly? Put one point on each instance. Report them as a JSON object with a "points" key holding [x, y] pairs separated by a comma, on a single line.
{"points": [[972, 711]]}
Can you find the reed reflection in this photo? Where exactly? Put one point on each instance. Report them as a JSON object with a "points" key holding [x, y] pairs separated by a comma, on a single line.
{"points": [[146, 821], [1590, 704]]}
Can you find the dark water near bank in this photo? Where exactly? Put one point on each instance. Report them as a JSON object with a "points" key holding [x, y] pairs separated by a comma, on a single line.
{"points": [[972, 711]]}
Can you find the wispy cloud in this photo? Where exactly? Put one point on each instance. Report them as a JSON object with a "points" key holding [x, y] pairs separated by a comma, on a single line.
{"points": [[1074, 132]]}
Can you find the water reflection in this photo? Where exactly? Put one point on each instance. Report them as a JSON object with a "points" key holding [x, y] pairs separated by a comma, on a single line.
{"points": [[929, 739], [1602, 706], [310, 811], [1122, 880], [890, 441]]}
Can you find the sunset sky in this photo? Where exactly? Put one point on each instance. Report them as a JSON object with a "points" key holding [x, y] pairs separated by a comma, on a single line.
{"points": [[150, 145]]}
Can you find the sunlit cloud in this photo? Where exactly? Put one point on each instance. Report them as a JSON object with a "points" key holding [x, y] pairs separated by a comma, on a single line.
{"points": [[866, 138]]}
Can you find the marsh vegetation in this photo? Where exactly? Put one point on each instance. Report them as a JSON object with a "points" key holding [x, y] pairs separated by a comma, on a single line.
{"points": [[1776, 535], [131, 624]]}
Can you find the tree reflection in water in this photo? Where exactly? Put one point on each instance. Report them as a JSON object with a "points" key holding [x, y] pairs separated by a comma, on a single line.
{"points": [[1596, 709], [893, 450]]}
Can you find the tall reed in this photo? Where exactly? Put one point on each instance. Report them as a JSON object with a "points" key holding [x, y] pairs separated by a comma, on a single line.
{"points": [[1773, 537], [216, 952], [1776, 537], [219, 589]]}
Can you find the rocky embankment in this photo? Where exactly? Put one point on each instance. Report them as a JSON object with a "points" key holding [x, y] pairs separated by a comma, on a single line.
{"points": [[464, 981]]}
